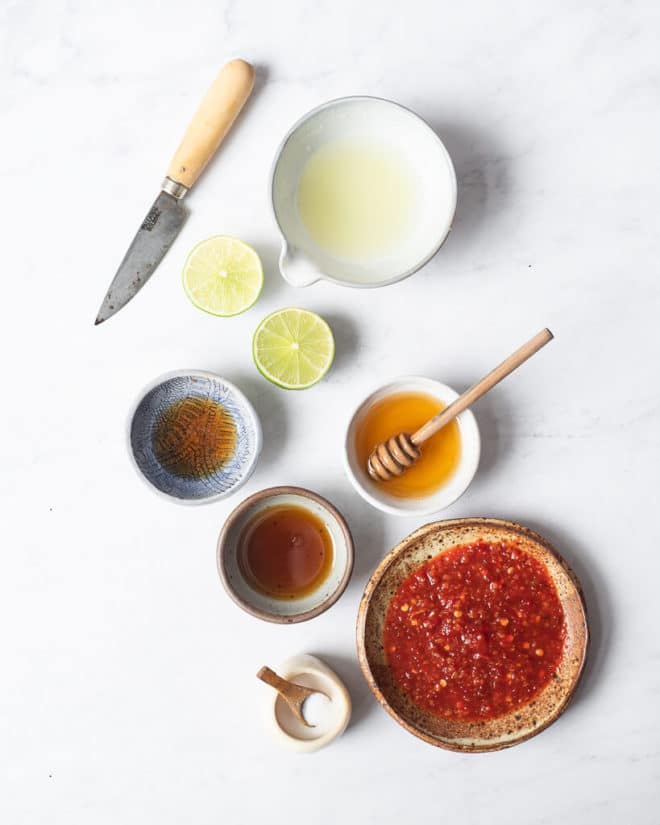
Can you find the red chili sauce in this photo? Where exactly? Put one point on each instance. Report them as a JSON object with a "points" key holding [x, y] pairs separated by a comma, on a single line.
{"points": [[475, 632]]}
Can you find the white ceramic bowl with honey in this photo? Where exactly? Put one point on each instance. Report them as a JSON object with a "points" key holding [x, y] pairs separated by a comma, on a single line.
{"points": [[452, 481]]}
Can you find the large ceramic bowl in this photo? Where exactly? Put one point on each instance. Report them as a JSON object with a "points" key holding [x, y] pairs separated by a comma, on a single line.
{"points": [[377, 494], [156, 398], [284, 611], [503, 731]]}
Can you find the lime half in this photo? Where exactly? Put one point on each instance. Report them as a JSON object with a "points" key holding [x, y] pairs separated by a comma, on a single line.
{"points": [[223, 276], [293, 348]]}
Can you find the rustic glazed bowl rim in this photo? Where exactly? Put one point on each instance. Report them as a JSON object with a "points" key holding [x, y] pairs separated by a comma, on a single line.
{"points": [[240, 511], [374, 581], [424, 124], [245, 402]]}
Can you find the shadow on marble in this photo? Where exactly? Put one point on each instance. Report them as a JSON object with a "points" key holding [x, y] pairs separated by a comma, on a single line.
{"points": [[274, 284], [260, 80], [490, 412], [261, 75], [346, 335], [265, 397], [597, 598], [366, 525], [349, 672], [483, 175]]}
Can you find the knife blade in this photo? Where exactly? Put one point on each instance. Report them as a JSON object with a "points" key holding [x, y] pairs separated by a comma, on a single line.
{"points": [[157, 233], [211, 122]]}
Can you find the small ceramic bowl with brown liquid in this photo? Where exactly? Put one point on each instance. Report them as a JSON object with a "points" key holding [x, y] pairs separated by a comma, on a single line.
{"points": [[193, 436], [285, 555], [448, 461]]}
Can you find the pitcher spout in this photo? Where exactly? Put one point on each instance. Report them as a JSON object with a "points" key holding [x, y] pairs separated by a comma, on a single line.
{"points": [[296, 267]]}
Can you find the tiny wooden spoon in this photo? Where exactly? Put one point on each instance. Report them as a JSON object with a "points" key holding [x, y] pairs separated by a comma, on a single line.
{"points": [[294, 695], [394, 456]]}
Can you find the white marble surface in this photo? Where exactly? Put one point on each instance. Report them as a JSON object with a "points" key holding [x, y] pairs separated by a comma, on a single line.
{"points": [[128, 692]]}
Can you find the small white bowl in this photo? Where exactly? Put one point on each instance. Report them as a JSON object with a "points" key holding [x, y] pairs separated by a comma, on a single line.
{"points": [[377, 494], [310, 672]]}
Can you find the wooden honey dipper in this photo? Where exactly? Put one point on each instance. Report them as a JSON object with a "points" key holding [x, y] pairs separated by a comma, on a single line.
{"points": [[394, 456]]}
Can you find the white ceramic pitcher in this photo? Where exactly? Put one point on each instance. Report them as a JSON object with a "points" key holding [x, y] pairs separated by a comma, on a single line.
{"points": [[365, 119]]}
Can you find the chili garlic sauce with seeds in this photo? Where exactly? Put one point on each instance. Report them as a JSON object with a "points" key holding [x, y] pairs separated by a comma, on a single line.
{"points": [[286, 552], [194, 438], [475, 632], [406, 412]]}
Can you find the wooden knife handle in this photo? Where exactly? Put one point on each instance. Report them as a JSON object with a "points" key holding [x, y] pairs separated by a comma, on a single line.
{"points": [[211, 122]]}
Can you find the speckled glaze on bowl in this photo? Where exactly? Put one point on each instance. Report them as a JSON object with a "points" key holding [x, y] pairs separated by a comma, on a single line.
{"points": [[285, 611], [159, 396], [470, 737]]}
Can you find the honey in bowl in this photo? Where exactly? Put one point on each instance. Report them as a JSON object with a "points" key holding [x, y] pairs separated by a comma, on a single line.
{"points": [[286, 552], [406, 412]]}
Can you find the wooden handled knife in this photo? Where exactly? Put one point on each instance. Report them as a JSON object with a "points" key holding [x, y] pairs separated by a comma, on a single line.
{"points": [[211, 122]]}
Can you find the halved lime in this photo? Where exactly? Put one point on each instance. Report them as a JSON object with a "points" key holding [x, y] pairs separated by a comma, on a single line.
{"points": [[293, 348], [223, 276]]}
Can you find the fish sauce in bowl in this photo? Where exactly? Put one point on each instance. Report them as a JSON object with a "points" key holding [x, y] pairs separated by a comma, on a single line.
{"points": [[194, 437], [286, 552]]}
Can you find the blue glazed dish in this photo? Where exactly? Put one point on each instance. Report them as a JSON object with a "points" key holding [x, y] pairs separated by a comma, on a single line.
{"points": [[158, 397]]}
